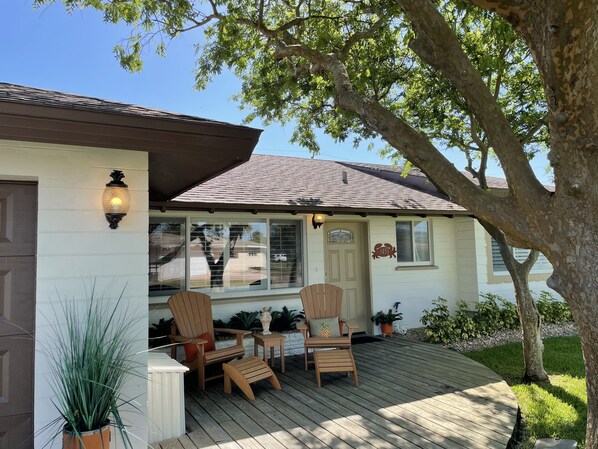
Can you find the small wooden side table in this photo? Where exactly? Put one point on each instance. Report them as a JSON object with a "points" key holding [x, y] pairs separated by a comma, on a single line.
{"points": [[270, 342]]}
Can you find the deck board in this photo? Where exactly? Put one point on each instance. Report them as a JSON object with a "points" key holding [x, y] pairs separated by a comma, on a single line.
{"points": [[411, 395]]}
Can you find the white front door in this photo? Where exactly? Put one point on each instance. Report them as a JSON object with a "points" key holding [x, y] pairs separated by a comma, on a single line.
{"points": [[346, 268]]}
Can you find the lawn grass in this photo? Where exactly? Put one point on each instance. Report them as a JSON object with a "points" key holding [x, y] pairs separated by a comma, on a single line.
{"points": [[554, 409]]}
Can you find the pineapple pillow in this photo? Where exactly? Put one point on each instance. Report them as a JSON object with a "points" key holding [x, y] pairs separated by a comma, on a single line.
{"points": [[324, 327]]}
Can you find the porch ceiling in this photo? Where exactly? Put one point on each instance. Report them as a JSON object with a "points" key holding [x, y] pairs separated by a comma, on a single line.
{"points": [[183, 150]]}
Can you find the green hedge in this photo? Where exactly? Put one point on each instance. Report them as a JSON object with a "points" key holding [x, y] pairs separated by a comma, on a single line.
{"points": [[493, 313]]}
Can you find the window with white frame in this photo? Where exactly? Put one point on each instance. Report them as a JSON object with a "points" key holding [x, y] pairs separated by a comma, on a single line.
{"points": [[414, 242], [542, 264], [224, 255]]}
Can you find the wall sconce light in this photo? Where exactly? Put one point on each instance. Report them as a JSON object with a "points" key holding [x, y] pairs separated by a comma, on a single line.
{"points": [[317, 220], [116, 199]]}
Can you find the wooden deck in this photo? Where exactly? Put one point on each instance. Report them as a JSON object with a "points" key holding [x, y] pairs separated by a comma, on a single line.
{"points": [[410, 395]]}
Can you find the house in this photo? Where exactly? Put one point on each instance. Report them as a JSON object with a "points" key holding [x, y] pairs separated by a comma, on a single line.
{"points": [[249, 230], [56, 154], [429, 246]]}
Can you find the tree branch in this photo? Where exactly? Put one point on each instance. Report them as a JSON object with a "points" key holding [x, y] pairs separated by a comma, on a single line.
{"points": [[437, 45], [413, 145], [533, 130]]}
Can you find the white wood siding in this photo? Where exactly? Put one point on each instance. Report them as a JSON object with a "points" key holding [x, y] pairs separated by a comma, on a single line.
{"points": [[75, 246], [467, 267], [414, 287]]}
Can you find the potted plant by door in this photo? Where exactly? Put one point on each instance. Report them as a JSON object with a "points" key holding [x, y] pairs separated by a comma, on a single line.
{"points": [[90, 359], [385, 320]]}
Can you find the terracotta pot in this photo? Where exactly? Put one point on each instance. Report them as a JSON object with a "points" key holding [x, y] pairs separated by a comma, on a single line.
{"points": [[386, 329], [95, 439]]}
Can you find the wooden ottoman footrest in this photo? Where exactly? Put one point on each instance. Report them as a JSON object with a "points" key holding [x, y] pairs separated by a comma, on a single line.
{"points": [[335, 361], [244, 372]]}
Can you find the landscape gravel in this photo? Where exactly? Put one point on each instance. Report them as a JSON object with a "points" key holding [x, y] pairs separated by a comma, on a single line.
{"points": [[496, 339]]}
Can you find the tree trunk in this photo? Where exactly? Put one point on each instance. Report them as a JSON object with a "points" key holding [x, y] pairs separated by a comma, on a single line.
{"points": [[529, 317], [577, 282], [531, 328]]}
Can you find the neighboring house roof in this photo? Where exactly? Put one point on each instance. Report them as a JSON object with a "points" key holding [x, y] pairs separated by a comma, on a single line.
{"points": [[183, 150], [287, 184]]}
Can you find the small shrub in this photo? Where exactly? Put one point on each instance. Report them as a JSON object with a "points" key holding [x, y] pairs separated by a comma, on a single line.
{"points": [[285, 320], [488, 317], [440, 326], [244, 320], [465, 326], [509, 314], [552, 310], [219, 324], [493, 313], [158, 333]]}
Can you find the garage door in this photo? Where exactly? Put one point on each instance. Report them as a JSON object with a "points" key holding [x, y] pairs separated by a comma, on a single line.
{"points": [[18, 223]]}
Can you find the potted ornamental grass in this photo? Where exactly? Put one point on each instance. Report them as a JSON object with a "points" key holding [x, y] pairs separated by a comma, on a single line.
{"points": [[386, 319], [90, 360]]}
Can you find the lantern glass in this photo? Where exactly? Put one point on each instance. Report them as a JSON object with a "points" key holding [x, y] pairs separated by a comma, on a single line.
{"points": [[116, 200]]}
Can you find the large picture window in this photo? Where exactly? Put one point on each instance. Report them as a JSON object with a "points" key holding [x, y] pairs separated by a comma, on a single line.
{"points": [[224, 255], [542, 264], [228, 255], [413, 242]]}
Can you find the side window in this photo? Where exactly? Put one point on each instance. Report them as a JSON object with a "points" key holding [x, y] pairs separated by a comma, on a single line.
{"points": [[413, 242], [542, 265]]}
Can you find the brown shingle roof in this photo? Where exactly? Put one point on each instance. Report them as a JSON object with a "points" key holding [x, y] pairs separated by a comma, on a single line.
{"points": [[287, 184], [15, 93]]}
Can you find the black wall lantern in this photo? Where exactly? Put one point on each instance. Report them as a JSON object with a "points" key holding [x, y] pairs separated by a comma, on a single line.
{"points": [[116, 199], [317, 220]]}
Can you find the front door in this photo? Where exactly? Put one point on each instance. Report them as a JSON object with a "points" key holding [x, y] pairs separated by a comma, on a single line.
{"points": [[346, 269], [18, 224]]}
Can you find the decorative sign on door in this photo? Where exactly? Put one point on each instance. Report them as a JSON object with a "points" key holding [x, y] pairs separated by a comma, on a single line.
{"points": [[384, 250]]}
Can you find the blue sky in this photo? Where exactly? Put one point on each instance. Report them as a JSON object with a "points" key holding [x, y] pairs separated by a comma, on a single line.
{"points": [[47, 48]]}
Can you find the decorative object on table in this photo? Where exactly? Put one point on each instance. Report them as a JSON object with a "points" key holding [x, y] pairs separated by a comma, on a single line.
{"points": [[322, 304], [386, 320], [90, 360], [265, 319], [384, 250]]}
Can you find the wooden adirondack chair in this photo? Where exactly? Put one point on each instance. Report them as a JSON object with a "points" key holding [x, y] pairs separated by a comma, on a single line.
{"points": [[192, 313], [323, 301]]}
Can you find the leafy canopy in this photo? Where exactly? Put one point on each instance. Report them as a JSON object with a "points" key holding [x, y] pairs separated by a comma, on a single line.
{"points": [[371, 39]]}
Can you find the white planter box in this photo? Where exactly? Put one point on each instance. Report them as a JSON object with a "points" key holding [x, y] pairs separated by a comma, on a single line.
{"points": [[165, 397]]}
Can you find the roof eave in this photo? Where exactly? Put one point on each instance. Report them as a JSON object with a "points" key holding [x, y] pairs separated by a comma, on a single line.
{"points": [[203, 150], [294, 209]]}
